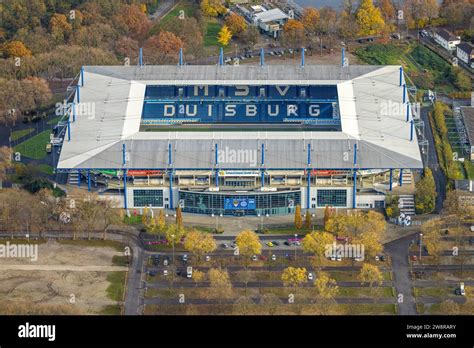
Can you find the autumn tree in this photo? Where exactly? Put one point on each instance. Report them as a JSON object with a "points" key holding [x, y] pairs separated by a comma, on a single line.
{"points": [[224, 36], [449, 307], [161, 223], [212, 8], [310, 20], [293, 34], [5, 162], [134, 22], [307, 220], [425, 197], [174, 234], [432, 239], [369, 18], [245, 276], [248, 244], [325, 287], [60, 28], [298, 220], [179, 216], [236, 24], [317, 243], [163, 47], [127, 47], [198, 276], [329, 212], [271, 302], [16, 48], [220, 283], [199, 243], [190, 32], [294, 277], [371, 274]]}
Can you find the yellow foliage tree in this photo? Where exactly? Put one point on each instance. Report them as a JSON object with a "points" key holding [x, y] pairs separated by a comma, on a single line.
{"points": [[212, 8], [317, 243], [298, 219], [161, 221], [371, 274], [16, 48], [236, 23], [199, 243], [248, 243], [325, 287], [224, 36], [294, 276], [369, 18]]}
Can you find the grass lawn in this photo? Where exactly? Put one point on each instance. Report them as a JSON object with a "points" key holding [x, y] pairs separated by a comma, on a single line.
{"points": [[54, 121], [45, 168], [434, 292], [111, 310], [133, 219], [94, 243], [183, 5], [117, 285], [120, 260], [210, 39], [35, 147], [21, 133]]}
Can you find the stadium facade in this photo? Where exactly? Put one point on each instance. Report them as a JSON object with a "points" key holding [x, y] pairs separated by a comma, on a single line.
{"points": [[241, 139]]}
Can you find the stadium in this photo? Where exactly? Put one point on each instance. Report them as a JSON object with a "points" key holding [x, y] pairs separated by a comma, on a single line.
{"points": [[241, 139]]}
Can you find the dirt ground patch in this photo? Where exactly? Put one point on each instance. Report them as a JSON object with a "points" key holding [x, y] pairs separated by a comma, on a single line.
{"points": [[57, 286]]}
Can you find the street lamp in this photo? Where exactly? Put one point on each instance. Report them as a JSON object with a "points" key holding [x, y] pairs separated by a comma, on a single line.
{"points": [[172, 243], [296, 236], [421, 242]]}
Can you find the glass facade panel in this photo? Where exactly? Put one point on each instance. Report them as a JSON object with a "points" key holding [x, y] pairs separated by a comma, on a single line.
{"points": [[275, 203], [333, 198], [145, 198]]}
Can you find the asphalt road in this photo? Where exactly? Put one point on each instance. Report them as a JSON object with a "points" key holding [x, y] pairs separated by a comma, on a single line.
{"points": [[398, 250]]}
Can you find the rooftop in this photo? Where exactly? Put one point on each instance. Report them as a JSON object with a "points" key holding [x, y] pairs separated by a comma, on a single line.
{"points": [[371, 107], [274, 14], [468, 117]]}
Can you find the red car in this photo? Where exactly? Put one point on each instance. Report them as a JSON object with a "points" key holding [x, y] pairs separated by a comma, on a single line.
{"points": [[414, 258], [263, 258]]}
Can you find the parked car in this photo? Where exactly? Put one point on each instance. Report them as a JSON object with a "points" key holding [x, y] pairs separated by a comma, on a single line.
{"points": [[359, 259], [270, 244], [472, 228], [377, 258], [49, 147], [339, 258], [225, 245], [254, 258], [263, 258], [414, 258], [208, 258], [274, 257], [165, 272], [189, 272], [382, 258], [166, 262], [310, 276], [276, 243], [152, 273], [185, 258]]}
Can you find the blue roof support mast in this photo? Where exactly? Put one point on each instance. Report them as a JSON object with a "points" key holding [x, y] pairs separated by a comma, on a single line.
{"points": [[302, 57], [308, 188], [221, 57], [391, 180], [262, 57], [82, 76], [88, 180], [181, 61], [140, 57], [401, 77], [343, 57], [216, 149], [262, 165], [124, 162], [354, 189], [170, 174]]}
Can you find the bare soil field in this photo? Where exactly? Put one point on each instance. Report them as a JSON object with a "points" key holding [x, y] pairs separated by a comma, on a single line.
{"points": [[65, 279]]}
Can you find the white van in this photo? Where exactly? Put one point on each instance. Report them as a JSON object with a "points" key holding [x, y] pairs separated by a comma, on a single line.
{"points": [[189, 272]]}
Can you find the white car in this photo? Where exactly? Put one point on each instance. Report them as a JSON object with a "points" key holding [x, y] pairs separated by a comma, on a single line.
{"points": [[339, 258], [333, 257], [310, 276], [377, 258], [359, 258], [165, 272], [254, 258], [472, 228], [274, 257], [208, 258]]}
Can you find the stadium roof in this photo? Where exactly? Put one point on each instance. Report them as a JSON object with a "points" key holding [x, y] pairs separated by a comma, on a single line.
{"points": [[274, 14], [370, 101], [468, 117]]}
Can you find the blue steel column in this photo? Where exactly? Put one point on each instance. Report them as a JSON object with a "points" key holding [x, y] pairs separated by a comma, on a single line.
{"points": [[170, 173], [400, 178], [391, 179], [78, 93], [343, 57], [308, 188], [401, 77], [140, 57], [124, 162], [217, 165], [88, 179], [354, 190], [263, 163], [68, 130], [82, 76]]}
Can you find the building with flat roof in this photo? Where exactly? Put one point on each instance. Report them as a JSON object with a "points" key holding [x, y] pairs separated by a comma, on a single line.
{"points": [[241, 140]]}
